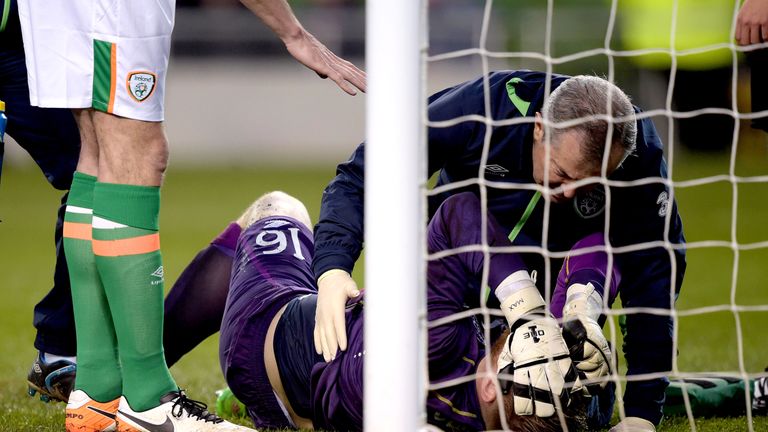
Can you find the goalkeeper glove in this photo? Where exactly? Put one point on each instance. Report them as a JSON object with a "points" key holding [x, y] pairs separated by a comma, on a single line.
{"points": [[535, 354], [634, 424], [588, 347]]}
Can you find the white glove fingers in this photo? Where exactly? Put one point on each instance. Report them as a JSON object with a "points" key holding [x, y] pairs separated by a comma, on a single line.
{"points": [[565, 381], [523, 405], [339, 326], [595, 356], [318, 342], [326, 346], [545, 402], [523, 392]]}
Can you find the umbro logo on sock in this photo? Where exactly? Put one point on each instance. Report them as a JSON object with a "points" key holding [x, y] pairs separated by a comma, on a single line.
{"points": [[159, 272], [166, 426]]}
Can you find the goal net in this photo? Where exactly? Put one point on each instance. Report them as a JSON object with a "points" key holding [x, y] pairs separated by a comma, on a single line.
{"points": [[679, 63]]}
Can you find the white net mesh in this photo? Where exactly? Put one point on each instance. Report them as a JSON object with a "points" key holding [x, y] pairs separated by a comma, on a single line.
{"points": [[718, 183]]}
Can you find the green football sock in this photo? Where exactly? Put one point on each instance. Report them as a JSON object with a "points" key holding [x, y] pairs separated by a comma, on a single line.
{"points": [[126, 243], [98, 366]]}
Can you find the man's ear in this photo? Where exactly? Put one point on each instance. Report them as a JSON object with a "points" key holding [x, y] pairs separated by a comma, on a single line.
{"points": [[487, 389], [538, 128]]}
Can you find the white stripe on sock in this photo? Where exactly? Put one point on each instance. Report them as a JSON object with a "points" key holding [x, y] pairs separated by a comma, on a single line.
{"points": [[80, 210], [101, 223]]}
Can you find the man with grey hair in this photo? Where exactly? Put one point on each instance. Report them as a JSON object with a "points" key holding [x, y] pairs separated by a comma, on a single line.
{"points": [[548, 137]]}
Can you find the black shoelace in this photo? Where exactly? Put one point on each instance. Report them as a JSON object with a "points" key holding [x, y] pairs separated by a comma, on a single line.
{"points": [[193, 408]]}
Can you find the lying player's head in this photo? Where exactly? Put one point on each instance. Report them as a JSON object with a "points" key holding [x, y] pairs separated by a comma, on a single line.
{"points": [[488, 393], [577, 146], [275, 203]]}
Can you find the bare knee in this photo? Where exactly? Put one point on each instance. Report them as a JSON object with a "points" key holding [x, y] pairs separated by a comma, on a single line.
{"points": [[130, 151], [275, 203]]}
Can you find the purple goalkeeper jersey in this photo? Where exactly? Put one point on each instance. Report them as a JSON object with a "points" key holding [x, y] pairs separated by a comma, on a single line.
{"points": [[278, 252]]}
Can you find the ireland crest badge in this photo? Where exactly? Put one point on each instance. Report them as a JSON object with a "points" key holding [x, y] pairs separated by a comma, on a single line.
{"points": [[141, 84]]}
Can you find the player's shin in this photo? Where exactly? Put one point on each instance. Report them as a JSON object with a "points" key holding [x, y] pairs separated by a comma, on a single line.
{"points": [[126, 244], [98, 368]]}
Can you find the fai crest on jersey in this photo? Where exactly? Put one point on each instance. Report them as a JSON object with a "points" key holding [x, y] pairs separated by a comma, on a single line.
{"points": [[141, 85], [590, 203]]}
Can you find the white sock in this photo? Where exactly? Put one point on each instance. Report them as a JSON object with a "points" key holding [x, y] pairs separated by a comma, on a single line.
{"points": [[51, 358]]}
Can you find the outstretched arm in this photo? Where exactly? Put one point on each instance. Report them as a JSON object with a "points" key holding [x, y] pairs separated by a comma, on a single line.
{"points": [[303, 46]]}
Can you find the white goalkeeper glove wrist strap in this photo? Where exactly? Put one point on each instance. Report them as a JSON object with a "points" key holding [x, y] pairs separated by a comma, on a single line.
{"points": [[583, 300], [518, 296]]}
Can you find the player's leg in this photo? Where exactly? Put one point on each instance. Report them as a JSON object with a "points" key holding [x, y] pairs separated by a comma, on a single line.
{"points": [[53, 369], [51, 138], [126, 242], [98, 383], [195, 305], [133, 156], [58, 70], [132, 160], [129, 62]]}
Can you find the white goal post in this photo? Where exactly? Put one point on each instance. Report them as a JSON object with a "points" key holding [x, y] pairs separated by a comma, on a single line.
{"points": [[394, 376]]}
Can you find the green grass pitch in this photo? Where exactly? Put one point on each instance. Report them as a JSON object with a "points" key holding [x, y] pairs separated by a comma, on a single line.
{"points": [[198, 203]]}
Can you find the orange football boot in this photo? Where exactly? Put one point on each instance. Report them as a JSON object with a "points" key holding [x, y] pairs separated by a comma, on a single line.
{"points": [[86, 415]]}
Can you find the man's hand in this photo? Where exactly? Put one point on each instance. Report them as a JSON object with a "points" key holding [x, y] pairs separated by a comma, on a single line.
{"points": [[279, 17], [752, 22], [589, 350], [634, 424], [537, 358], [334, 287], [313, 54]]}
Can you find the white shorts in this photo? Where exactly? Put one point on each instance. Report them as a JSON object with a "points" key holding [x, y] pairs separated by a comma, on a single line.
{"points": [[110, 55]]}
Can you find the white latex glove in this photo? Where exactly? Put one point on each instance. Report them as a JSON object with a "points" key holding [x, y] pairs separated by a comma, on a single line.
{"points": [[586, 342], [634, 424], [334, 287]]}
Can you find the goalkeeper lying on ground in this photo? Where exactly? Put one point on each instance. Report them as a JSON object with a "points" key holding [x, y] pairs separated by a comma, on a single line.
{"points": [[269, 361]]}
